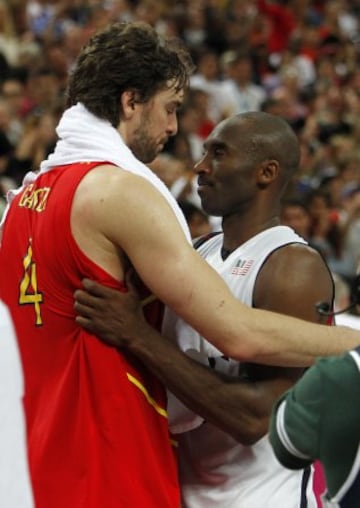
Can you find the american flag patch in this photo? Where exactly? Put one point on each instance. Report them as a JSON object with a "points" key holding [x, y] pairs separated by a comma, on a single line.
{"points": [[242, 267]]}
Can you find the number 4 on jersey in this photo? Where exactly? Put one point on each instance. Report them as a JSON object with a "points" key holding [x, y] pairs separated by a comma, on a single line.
{"points": [[28, 287]]}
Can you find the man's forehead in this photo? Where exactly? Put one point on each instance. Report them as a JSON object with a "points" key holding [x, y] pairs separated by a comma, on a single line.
{"points": [[225, 133], [172, 94]]}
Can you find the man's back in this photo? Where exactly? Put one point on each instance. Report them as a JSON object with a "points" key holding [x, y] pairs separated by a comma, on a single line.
{"points": [[94, 417]]}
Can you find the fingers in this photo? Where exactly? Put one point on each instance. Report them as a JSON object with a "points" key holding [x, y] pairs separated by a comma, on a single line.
{"points": [[86, 299], [87, 317], [96, 289], [91, 327], [83, 309], [84, 323]]}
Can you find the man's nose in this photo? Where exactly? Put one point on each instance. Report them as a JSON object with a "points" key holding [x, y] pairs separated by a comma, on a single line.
{"points": [[172, 127], [202, 166]]}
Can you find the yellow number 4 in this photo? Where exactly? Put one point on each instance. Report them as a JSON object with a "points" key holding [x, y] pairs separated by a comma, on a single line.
{"points": [[30, 281]]}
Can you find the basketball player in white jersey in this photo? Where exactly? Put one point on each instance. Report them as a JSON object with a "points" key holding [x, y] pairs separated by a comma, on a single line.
{"points": [[225, 456], [15, 488]]}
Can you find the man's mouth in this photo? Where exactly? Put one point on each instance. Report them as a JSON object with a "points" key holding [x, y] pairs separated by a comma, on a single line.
{"points": [[203, 183]]}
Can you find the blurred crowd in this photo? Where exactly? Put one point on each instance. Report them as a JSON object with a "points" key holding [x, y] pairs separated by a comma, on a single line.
{"points": [[298, 59]]}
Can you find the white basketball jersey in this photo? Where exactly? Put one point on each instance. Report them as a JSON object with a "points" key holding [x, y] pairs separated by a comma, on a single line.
{"points": [[217, 471]]}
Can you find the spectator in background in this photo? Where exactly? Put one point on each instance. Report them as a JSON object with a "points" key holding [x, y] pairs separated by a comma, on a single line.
{"points": [[37, 141], [327, 235], [6, 124], [44, 91], [200, 102], [281, 22], [294, 214], [169, 169], [351, 224], [9, 40], [207, 78], [198, 221], [242, 93], [6, 150], [239, 22], [12, 91]]}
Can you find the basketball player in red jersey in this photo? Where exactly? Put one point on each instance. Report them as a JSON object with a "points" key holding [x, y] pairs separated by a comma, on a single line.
{"points": [[96, 421]]}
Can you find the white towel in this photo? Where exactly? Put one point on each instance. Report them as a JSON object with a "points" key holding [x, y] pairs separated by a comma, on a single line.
{"points": [[85, 137]]}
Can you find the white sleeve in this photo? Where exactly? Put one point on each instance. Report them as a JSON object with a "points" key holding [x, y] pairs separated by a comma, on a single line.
{"points": [[15, 487]]}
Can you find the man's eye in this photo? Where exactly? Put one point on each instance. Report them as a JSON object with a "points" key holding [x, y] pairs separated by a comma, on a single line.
{"points": [[219, 152]]}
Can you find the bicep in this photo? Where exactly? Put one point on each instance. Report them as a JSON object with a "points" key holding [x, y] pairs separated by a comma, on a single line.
{"points": [[292, 281], [148, 231]]}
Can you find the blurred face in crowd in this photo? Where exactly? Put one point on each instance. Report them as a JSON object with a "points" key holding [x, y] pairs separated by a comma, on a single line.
{"points": [[208, 66], [13, 93], [296, 217]]}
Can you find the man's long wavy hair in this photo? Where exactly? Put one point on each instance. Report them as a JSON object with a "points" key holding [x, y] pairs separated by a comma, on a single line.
{"points": [[126, 56]]}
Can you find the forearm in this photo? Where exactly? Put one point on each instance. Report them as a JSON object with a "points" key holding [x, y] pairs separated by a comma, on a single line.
{"points": [[237, 406], [248, 334], [273, 339]]}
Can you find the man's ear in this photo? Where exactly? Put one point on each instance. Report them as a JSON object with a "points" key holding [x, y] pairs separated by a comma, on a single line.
{"points": [[128, 103], [267, 172]]}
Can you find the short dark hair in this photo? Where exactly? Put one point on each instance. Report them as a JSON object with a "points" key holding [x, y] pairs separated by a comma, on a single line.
{"points": [[126, 56], [270, 136]]}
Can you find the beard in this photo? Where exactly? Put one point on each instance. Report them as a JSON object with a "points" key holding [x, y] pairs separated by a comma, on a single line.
{"points": [[143, 146]]}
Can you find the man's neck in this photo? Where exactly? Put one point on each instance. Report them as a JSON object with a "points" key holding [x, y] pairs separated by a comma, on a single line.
{"points": [[236, 235]]}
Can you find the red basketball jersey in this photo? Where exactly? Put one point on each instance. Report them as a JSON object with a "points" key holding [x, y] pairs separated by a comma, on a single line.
{"points": [[96, 419]]}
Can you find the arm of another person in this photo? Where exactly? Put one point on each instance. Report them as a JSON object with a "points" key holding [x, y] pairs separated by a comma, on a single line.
{"points": [[15, 483], [319, 419], [240, 405], [142, 224]]}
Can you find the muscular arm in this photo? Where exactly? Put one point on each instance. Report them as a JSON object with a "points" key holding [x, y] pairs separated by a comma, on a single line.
{"points": [[239, 405], [142, 225], [285, 284], [234, 405]]}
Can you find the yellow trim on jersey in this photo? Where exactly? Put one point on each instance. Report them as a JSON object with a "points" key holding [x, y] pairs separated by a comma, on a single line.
{"points": [[150, 400], [174, 443], [148, 299]]}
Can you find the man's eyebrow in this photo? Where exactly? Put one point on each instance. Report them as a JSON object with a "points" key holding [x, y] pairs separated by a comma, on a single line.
{"points": [[175, 104], [214, 143]]}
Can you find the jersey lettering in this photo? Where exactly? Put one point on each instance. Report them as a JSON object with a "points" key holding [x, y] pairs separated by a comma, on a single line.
{"points": [[34, 199]]}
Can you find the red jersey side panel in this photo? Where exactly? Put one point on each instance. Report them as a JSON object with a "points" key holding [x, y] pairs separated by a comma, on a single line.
{"points": [[96, 419]]}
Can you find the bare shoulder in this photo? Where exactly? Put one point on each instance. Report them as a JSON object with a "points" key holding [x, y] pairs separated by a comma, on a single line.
{"points": [[292, 280], [109, 191], [117, 214], [295, 255], [124, 208], [297, 265], [107, 180]]}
